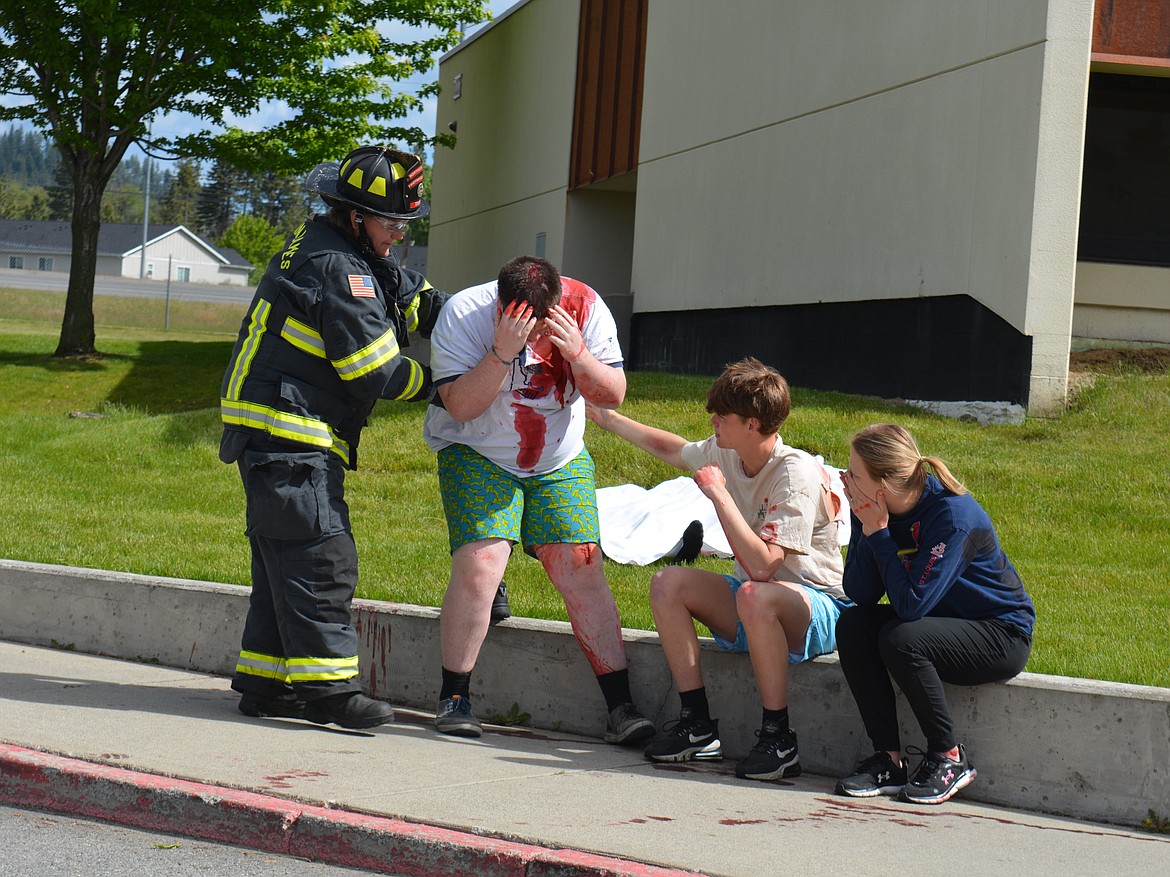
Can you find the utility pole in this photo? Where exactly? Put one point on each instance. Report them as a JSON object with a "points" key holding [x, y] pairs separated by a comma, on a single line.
{"points": [[145, 216]]}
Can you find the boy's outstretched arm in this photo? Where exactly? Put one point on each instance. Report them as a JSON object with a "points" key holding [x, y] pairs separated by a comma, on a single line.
{"points": [[666, 446]]}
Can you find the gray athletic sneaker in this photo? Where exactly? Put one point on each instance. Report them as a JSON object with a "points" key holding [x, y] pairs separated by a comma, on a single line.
{"points": [[876, 775], [455, 717], [627, 726]]}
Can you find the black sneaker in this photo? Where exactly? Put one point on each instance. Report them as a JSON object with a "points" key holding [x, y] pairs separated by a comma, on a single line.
{"points": [[288, 707], [692, 543], [500, 607], [627, 727], [455, 717], [937, 778], [686, 739], [350, 710], [876, 775], [774, 756]]}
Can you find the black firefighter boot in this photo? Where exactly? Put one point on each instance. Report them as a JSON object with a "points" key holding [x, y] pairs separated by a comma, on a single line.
{"points": [[350, 710]]}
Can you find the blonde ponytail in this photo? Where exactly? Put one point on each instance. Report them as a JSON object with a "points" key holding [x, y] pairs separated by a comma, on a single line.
{"points": [[891, 456]]}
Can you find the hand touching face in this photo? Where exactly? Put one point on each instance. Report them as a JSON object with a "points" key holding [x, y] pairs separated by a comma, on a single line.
{"points": [[513, 326], [564, 333], [867, 497]]}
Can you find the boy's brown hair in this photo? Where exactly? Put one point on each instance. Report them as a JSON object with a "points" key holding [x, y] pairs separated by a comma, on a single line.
{"points": [[751, 389], [532, 280]]}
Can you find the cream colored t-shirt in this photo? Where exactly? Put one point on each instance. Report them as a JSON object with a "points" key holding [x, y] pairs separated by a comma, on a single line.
{"points": [[784, 504]]}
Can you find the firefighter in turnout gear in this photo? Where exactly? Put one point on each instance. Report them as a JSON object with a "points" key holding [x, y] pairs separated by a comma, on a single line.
{"points": [[320, 344]]}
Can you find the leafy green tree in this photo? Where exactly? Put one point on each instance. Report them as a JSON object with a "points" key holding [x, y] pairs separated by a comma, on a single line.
{"points": [[254, 238], [123, 201], [93, 74], [18, 201]]}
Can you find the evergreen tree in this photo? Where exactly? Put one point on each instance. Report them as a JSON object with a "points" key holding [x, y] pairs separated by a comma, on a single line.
{"points": [[26, 157], [218, 201], [61, 194], [180, 204]]}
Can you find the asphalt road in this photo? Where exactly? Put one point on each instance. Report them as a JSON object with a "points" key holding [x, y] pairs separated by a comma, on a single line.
{"points": [[58, 281], [40, 844]]}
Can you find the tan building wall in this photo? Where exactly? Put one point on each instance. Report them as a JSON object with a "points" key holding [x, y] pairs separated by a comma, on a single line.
{"points": [[921, 153], [792, 152], [1121, 303], [504, 183]]}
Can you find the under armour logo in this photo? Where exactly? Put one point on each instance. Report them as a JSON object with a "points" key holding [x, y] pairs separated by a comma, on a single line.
{"points": [[883, 776], [948, 776]]}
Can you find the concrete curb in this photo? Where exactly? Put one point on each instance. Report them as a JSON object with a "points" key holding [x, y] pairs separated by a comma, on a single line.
{"points": [[1073, 747], [66, 785]]}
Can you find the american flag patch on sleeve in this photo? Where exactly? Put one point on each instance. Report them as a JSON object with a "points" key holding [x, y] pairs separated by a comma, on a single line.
{"points": [[361, 285]]}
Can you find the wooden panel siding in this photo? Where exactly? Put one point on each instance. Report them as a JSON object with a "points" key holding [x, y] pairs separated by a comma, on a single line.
{"points": [[607, 109], [1132, 32]]}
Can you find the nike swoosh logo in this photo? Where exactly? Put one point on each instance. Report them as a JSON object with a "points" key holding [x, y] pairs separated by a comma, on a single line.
{"points": [[698, 739]]}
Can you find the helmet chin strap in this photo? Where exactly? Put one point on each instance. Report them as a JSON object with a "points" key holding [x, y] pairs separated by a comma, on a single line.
{"points": [[364, 243]]}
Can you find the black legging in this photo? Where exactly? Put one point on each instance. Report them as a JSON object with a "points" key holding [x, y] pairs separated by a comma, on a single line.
{"points": [[874, 645]]}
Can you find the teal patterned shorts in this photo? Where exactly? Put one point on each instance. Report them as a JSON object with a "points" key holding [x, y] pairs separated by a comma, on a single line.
{"points": [[483, 501]]}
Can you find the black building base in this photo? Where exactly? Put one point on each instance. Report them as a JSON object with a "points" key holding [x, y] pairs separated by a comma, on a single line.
{"points": [[949, 348]]}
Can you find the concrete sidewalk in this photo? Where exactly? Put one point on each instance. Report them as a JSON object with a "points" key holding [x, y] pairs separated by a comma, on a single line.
{"points": [[152, 746]]}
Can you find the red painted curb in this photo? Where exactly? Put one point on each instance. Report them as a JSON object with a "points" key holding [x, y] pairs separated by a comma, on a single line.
{"points": [[67, 785]]}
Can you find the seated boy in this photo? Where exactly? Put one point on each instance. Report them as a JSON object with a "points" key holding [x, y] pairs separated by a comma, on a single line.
{"points": [[782, 603]]}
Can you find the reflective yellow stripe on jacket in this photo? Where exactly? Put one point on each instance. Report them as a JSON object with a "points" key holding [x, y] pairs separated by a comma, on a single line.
{"points": [[306, 430], [370, 357], [413, 383], [411, 313], [239, 412], [257, 326], [303, 337]]}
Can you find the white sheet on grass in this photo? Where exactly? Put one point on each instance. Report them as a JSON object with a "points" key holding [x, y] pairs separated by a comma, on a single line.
{"points": [[639, 526]]}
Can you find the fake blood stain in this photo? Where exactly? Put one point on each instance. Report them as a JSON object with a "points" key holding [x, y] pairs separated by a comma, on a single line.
{"points": [[551, 376]]}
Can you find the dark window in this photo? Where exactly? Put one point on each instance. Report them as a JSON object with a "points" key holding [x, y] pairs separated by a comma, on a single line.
{"points": [[1125, 195]]}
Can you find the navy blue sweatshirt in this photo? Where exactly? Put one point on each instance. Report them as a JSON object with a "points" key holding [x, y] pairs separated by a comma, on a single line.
{"points": [[941, 558]]}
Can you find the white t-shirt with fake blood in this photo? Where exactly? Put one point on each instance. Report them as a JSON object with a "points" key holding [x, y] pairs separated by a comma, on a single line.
{"points": [[536, 424]]}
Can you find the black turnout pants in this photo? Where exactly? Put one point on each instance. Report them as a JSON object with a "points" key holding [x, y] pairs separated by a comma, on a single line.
{"points": [[874, 644], [304, 572]]}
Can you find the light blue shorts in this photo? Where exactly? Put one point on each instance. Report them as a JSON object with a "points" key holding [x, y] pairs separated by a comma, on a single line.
{"points": [[819, 639]]}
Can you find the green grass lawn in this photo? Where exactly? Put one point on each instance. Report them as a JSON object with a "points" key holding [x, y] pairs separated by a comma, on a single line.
{"points": [[112, 463]]}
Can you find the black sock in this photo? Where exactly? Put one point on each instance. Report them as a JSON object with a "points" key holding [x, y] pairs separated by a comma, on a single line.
{"points": [[776, 717], [695, 701], [615, 688], [454, 684]]}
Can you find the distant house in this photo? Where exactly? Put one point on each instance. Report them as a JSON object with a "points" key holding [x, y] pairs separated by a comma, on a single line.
{"points": [[173, 252]]}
